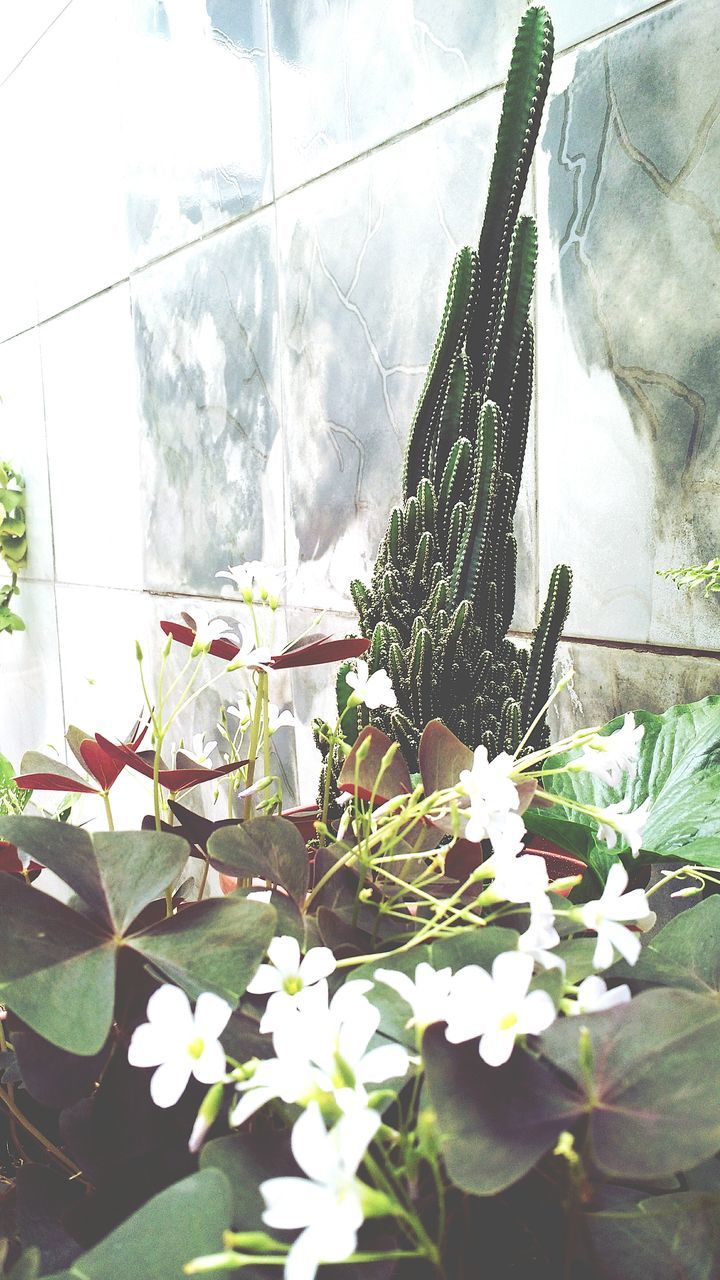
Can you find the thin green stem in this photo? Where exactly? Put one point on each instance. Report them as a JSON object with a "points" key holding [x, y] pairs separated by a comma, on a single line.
{"points": [[253, 748], [108, 811]]}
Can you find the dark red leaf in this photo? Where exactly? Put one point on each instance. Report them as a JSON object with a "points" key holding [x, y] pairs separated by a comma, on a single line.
{"points": [[361, 778], [321, 649], [226, 649], [324, 649], [53, 782], [104, 767], [177, 780]]}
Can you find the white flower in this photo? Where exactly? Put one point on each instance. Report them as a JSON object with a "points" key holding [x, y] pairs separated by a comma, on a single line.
{"points": [[179, 1043], [497, 1008], [593, 996], [374, 690], [610, 756], [321, 1050], [606, 915], [494, 802], [201, 751], [241, 714], [208, 629], [328, 1204], [427, 995], [286, 976], [280, 719], [523, 879], [254, 579], [539, 937], [615, 819]]}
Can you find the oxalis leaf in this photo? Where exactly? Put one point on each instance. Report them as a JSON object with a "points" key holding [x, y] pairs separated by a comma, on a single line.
{"points": [[645, 1076], [664, 1238], [685, 953], [678, 768], [58, 966], [183, 1222], [265, 848]]}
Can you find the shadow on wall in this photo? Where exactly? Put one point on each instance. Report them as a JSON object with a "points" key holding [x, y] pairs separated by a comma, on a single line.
{"points": [[635, 225]]}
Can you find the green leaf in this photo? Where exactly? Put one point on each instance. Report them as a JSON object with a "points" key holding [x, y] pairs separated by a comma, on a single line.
{"points": [[495, 1122], [678, 768], [57, 969], [663, 1238], [264, 848], [184, 1222], [116, 873], [685, 953], [652, 1086], [216, 945]]}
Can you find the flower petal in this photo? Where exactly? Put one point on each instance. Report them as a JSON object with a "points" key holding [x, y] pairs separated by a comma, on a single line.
{"points": [[266, 979], [210, 1066], [170, 1081], [318, 963], [148, 1046], [169, 1010], [294, 1202], [284, 953], [538, 1012], [212, 1015], [512, 972], [386, 1063], [312, 1148], [496, 1046]]}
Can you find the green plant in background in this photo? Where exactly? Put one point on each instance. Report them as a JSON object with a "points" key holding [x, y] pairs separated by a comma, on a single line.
{"points": [[13, 542], [443, 589], [707, 575]]}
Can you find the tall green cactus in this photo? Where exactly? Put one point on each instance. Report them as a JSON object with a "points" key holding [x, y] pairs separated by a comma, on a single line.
{"points": [[443, 589]]}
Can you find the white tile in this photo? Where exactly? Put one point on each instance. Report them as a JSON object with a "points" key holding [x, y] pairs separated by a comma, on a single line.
{"points": [[200, 156], [22, 23], [346, 77], [93, 442], [78, 141], [22, 442], [609, 681], [627, 334], [206, 333], [18, 208], [575, 20], [32, 712]]}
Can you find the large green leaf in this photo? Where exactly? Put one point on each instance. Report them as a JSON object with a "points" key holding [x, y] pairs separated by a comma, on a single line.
{"points": [[664, 1238], [495, 1123], [57, 969], [214, 945], [57, 965], [116, 873], [264, 848], [644, 1076], [686, 953], [678, 768], [184, 1222], [650, 1082]]}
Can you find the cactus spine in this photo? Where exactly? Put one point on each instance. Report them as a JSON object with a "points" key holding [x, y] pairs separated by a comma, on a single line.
{"points": [[443, 589]]}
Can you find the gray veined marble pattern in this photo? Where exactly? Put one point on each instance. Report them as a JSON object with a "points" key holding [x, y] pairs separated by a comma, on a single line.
{"points": [[628, 325], [365, 256], [206, 333], [199, 118], [348, 74]]}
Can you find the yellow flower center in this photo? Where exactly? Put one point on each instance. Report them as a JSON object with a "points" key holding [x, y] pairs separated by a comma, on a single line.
{"points": [[293, 985], [510, 1020], [196, 1048]]}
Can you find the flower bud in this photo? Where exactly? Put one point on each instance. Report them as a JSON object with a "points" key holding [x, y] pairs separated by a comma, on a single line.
{"points": [[206, 1116], [138, 651]]}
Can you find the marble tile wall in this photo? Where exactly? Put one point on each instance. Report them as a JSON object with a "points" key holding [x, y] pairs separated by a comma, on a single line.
{"points": [[222, 265]]}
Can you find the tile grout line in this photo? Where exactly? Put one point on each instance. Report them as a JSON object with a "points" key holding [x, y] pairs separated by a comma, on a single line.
{"points": [[52, 542], [35, 43], [279, 353]]}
